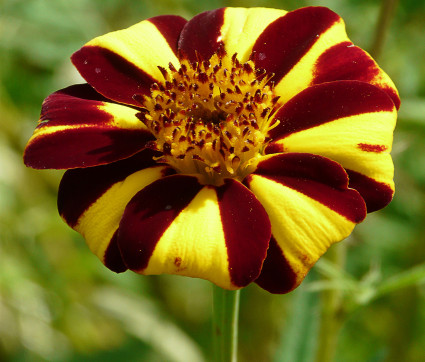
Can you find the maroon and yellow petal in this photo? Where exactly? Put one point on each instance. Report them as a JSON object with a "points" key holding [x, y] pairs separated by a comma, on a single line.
{"points": [[235, 28], [125, 63], [246, 228], [344, 61], [310, 207], [350, 122], [377, 194], [178, 226], [92, 200], [310, 46], [79, 128], [287, 40]]}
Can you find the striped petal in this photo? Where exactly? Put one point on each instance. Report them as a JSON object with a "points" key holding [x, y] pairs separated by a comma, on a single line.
{"points": [[178, 226], [310, 46], [80, 128], [310, 207], [92, 200], [124, 63], [236, 28], [344, 61], [350, 122]]}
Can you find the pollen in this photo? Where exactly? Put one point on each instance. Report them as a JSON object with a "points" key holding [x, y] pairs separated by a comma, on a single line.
{"points": [[211, 118]]}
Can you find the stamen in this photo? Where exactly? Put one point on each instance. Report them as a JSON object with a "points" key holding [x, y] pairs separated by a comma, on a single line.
{"points": [[210, 117]]}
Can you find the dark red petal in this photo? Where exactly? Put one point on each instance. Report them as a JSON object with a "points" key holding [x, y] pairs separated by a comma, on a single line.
{"points": [[376, 194], [305, 166], [344, 61], [75, 132], [318, 178], [74, 148], [276, 275], [76, 104], [150, 212], [285, 41], [199, 39], [246, 229], [80, 188], [327, 102]]}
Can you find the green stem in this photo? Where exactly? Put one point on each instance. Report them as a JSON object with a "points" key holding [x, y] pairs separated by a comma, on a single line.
{"points": [[385, 15], [225, 324], [331, 310]]}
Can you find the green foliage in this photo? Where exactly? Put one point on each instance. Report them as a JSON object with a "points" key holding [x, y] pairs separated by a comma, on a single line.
{"points": [[57, 302]]}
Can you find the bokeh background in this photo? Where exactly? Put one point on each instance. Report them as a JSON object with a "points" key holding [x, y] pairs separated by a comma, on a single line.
{"points": [[58, 303]]}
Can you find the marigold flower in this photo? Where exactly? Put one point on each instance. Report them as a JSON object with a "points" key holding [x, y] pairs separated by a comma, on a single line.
{"points": [[234, 147]]}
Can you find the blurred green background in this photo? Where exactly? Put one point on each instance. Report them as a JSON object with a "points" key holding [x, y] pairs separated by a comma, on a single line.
{"points": [[58, 302]]}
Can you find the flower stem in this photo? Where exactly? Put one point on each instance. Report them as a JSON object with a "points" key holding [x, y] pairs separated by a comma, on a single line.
{"points": [[225, 324], [385, 15], [331, 310]]}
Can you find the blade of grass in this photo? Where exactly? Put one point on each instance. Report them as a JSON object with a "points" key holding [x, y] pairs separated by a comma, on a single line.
{"points": [[298, 340]]}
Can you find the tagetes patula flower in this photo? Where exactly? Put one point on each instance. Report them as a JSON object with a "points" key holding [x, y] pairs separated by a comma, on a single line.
{"points": [[235, 147]]}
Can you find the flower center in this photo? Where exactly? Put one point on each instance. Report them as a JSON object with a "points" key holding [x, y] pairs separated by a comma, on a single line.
{"points": [[211, 118]]}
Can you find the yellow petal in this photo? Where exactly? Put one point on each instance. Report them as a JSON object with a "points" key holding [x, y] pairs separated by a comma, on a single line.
{"points": [[101, 220], [302, 227]]}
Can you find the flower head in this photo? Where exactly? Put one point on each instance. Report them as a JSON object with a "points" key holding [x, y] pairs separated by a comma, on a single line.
{"points": [[234, 147]]}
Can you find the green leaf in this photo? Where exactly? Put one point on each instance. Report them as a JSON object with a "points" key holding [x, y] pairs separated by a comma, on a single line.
{"points": [[412, 277]]}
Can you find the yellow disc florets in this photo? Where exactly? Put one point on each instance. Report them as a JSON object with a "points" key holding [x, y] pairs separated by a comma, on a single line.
{"points": [[211, 118]]}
